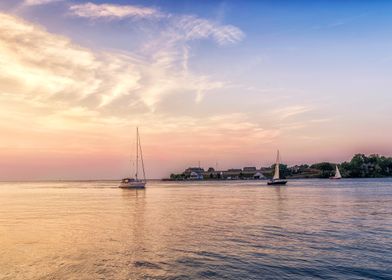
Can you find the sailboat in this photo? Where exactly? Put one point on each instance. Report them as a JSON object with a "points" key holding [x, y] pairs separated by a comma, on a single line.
{"points": [[276, 179], [136, 183], [337, 174]]}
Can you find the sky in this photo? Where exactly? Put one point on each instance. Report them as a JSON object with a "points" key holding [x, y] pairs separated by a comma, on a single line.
{"points": [[223, 83]]}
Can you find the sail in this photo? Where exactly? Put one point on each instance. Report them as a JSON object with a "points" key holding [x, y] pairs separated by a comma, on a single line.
{"points": [[276, 174], [337, 173]]}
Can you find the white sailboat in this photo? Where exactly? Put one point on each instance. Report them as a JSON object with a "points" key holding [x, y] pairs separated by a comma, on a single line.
{"points": [[276, 179], [337, 173], [136, 183]]}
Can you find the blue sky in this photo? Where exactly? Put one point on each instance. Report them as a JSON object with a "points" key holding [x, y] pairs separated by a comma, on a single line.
{"points": [[309, 77]]}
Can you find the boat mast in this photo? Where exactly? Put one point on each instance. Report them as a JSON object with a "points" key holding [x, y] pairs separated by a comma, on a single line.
{"points": [[137, 152], [141, 156]]}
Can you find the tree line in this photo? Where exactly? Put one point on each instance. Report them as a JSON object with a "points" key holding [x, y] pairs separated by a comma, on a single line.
{"points": [[360, 166]]}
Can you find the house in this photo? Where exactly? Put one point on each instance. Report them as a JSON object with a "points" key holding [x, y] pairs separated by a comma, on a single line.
{"points": [[249, 169], [197, 170], [258, 176], [232, 174], [195, 176], [247, 173], [194, 173]]}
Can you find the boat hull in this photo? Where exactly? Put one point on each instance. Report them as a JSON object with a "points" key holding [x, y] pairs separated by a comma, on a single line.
{"points": [[132, 185], [277, 182], [333, 178]]}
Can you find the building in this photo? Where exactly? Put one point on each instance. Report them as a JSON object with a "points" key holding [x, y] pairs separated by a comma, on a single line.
{"points": [[194, 173], [258, 176], [247, 173], [198, 170], [249, 169], [195, 176]]}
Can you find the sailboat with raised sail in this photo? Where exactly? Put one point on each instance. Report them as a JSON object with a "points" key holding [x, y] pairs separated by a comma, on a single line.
{"points": [[337, 173], [136, 183], [276, 179]]}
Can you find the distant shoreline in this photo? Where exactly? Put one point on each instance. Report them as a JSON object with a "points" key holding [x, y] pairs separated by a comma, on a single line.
{"points": [[170, 180], [360, 166], [266, 179]]}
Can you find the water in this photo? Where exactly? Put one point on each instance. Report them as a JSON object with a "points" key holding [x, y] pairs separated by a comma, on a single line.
{"points": [[217, 230]]}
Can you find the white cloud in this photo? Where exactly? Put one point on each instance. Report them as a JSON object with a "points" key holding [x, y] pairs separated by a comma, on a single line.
{"points": [[181, 27], [39, 2], [111, 11], [38, 66], [291, 111], [193, 27], [42, 66], [168, 53]]}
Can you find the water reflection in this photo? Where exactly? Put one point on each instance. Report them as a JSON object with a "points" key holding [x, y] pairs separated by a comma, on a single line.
{"points": [[280, 192], [129, 194], [222, 230]]}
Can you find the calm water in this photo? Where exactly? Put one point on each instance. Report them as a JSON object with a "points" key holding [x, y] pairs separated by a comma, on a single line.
{"points": [[219, 230]]}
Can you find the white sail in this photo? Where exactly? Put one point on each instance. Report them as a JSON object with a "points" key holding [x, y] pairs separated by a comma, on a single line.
{"points": [[276, 174], [337, 173]]}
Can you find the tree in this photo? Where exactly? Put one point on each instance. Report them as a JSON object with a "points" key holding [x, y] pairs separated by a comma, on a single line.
{"points": [[386, 166], [326, 169], [356, 166], [345, 169]]}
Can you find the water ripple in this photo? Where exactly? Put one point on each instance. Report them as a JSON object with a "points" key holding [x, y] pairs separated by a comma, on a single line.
{"points": [[311, 229]]}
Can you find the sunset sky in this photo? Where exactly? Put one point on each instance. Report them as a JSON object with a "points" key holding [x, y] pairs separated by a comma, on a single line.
{"points": [[221, 82]]}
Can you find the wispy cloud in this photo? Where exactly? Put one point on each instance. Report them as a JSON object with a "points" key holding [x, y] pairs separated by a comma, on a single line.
{"points": [[50, 67], [164, 69], [186, 27], [47, 66], [39, 2], [193, 27], [112, 11], [291, 111]]}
